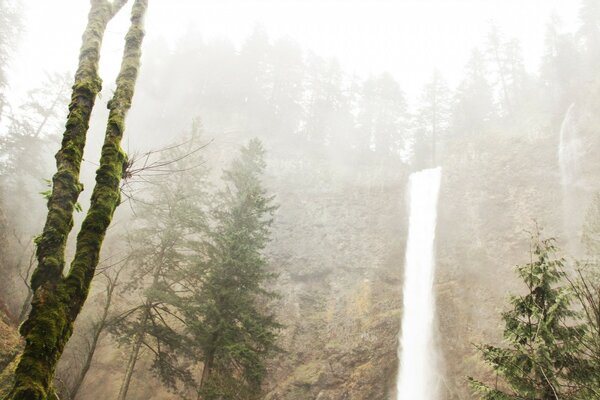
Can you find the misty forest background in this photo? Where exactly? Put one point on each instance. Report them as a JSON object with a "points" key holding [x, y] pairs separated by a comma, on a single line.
{"points": [[276, 158]]}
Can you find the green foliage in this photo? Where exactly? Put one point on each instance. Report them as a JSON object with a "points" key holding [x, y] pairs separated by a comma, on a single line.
{"points": [[169, 218], [228, 324], [46, 194], [591, 228], [542, 357], [57, 299]]}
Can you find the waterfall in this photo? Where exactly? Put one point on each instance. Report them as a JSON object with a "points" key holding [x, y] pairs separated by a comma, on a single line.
{"points": [[568, 148], [569, 151], [417, 375]]}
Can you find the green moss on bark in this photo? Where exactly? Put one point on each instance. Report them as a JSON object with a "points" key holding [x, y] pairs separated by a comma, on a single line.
{"points": [[58, 300]]}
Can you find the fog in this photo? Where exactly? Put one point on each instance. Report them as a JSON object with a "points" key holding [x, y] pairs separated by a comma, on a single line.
{"points": [[300, 200], [406, 38]]}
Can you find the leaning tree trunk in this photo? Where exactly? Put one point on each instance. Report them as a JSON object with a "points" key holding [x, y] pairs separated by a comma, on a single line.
{"points": [[58, 300]]}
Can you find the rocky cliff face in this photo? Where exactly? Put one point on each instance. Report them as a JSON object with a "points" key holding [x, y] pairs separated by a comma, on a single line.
{"points": [[339, 248], [339, 245]]}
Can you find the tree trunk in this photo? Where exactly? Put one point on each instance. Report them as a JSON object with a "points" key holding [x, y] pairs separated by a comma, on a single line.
{"points": [[98, 329], [26, 306], [133, 357], [206, 370], [140, 335], [57, 300]]}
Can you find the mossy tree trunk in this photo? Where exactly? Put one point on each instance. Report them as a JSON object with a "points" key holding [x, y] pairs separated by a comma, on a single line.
{"points": [[58, 299]]}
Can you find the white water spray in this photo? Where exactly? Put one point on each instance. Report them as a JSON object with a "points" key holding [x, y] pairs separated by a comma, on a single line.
{"points": [[569, 152], [568, 148], [417, 375]]}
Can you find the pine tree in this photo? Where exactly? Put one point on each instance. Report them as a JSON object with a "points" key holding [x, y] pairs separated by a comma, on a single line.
{"points": [[474, 103], [591, 229], [168, 219], [541, 358], [382, 115], [229, 328], [507, 65], [432, 121], [326, 106], [10, 29], [589, 15]]}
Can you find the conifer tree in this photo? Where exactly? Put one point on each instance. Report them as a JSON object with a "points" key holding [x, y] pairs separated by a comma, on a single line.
{"points": [[382, 115], [10, 28], [228, 326], [432, 121], [541, 358], [474, 103], [589, 15], [591, 229], [168, 219]]}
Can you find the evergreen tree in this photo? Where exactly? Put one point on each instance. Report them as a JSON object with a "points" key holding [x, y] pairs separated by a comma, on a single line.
{"points": [[25, 151], [586, 287], [167, 219], [10, 27], [561, 70], [229, 328], [326, 106], [474, 102], [382, 115], [432, 121], [285, 99], [511, 82], [541, 358], [255, 80], [589, 15], [591, 229]]}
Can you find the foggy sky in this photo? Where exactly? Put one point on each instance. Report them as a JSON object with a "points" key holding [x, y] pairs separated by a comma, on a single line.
{"points": [[408, 38]]}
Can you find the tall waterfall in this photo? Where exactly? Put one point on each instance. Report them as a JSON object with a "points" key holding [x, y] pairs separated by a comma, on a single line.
{"points": [[417, 375]]}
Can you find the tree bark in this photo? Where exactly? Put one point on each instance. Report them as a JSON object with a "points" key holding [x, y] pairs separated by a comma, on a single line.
{"points": [[97, 330], [133, 357], [206, 370], [57, 300]]}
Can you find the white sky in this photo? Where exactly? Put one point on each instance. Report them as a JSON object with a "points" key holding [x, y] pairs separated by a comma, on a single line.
{"points": [[408, 38]]}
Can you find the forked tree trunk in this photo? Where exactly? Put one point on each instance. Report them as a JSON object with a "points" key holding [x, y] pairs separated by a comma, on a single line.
{"points": [[58, 299]]}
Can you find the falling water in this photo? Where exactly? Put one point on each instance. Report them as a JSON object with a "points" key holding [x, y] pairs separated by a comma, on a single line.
{"points": [[569, 150], [417, 376]]}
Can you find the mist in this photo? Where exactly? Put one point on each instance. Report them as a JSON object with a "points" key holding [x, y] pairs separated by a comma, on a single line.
{"points": [[243, 206]]}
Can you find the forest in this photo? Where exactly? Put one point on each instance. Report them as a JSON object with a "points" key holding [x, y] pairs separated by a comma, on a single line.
{"points": [[244, 220]]}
